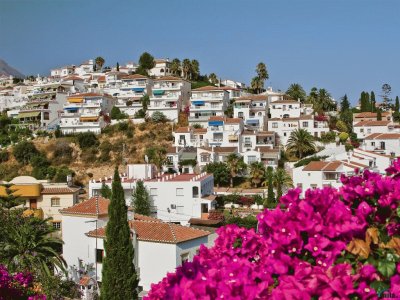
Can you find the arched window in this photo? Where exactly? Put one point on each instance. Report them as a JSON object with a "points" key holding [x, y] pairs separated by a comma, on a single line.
{"points": [[195, 191]]}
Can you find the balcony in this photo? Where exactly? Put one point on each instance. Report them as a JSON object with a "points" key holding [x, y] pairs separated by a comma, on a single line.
{"points": [[233, 138], [216, 128], [248, 144], [199, 118]]}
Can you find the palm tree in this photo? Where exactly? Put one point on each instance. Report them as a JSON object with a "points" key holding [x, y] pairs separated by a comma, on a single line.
{"points": [[257, 173], [296, 91], [194, 69], [281, 181], [300, 142], [262, 72], [236, 165], [30, 246], [99, 61], [186, 66], [325, 100], [213, 78], [176, 66], [256, 84]]}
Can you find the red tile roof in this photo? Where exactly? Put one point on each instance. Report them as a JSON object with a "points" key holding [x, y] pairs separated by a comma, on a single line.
{"points": [[182, 130], [95, 206], [59, 190], [199, 130], [372, 123], [233, 120], [383, 136], [322, 166], [158, 232], [370, 115]]}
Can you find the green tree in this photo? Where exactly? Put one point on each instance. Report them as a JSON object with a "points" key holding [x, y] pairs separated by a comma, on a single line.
{"points": [[31, 246], [157, 155], [373, 101], [176, 66], [213, 78], [105, 191], [87, 140], [341, 126], [10, 199], [365, 104], [24, 151], [119, 280], [194, 69], [158, 117], [296, 92], [146, 62], [99, 61], [269, 183], [141, 199], [300, 142], [236, 166], [347, 118], [379, 115], [397, 104], [256, 84], [344, 104], [220, 172], [256, 173], [117, 67], [115, 113], [145, 101], [386, 100], [281, 181], [186, 66], [262, 72]]}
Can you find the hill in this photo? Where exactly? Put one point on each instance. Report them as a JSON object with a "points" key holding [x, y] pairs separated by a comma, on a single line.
{"points": [[6, 69]]}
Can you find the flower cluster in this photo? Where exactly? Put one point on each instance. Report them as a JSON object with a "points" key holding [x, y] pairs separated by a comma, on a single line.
{"points": [[333, 244], [17, 286]]}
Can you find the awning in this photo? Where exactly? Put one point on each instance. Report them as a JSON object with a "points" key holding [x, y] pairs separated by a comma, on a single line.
{"points": [[158, 92], [28, 114], [215, 123], [70, 108], [89, 119], [75, 100], [255, 121], [198, 103], [138, 90]]}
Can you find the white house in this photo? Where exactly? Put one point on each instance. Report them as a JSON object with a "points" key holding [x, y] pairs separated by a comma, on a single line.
{"points": [[86, 113], [162, 67], [206, 102], [371, 116], [62, 72], [318, 174], [174, 197], [169, 95], [384, 143], [366, 128], [159, 247], [253, 110]]}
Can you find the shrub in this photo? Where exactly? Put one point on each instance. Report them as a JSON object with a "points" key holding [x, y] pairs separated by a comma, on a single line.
{"points": [[328, 137], [343, 136], [116, 114], [140, 114], [158, 117], [246, 222], [63, 152], [123, 126], [87, 140], [4, 156], [89, 155], [24, 151], [62, 173]]}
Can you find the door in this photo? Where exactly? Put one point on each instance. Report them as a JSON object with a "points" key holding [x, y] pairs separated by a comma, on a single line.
{"points": [[32, 203]]}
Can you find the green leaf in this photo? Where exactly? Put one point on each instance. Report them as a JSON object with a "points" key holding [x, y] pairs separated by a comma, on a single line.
{"points": [[398, 211], [386, 268], [379, 286]]}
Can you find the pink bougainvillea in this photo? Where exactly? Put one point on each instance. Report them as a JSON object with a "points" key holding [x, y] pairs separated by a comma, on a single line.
{"points": [[333, 244]]}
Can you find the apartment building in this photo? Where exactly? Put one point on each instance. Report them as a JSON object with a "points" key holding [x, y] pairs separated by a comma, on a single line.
{"points": [[86, 112], [253, 110], [174, 197], [364, 129], [206, 102], [161, 68], [384, 143], [169, 94]]}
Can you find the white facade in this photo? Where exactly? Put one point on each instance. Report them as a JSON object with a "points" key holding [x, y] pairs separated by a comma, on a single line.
{"points": [[162, 68], [365, 128], [85, 113], [169, 95], [384, 143], [206, 102]]}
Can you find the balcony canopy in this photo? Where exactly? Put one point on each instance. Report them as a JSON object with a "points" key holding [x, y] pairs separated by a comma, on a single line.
{"points": [[198, 103], [215, 123], [139, 90], [254, 121], [28, 114], [70, 108], [158, 92]]}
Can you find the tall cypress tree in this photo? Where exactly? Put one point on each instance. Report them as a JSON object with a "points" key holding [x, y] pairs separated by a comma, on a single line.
{"points": [[379, 115], [344, 104], [119, 278], [270, 194], [397, 104], [141, 200], [373, 101]]}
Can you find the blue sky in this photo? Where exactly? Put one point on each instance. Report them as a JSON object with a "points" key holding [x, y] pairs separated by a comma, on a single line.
{"points": [[345, 46]]}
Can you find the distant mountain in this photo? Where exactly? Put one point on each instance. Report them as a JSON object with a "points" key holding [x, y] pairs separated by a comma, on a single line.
{"points": [[5, 69]]}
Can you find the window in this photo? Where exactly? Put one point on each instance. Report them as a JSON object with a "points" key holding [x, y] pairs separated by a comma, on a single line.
{"points": [[99, 255], [55, 201], [204, 158], [305, 124], [57, 225], [179, 191], [284, 134], [195, 192], [170, 159], [153, 192], [362, 130], [173, 206], [184, 257], [372, 143], [251, 159], [383, 145], [46, 116], [275, 125]]}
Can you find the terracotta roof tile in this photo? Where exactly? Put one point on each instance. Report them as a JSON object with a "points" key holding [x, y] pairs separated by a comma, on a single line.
{"points": [[233, 120], [383, 136], [372, 123], [200, 130], [158, 232], [95, 206], [370, 115], [322, 166], [59, 190], [182, 130]]}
